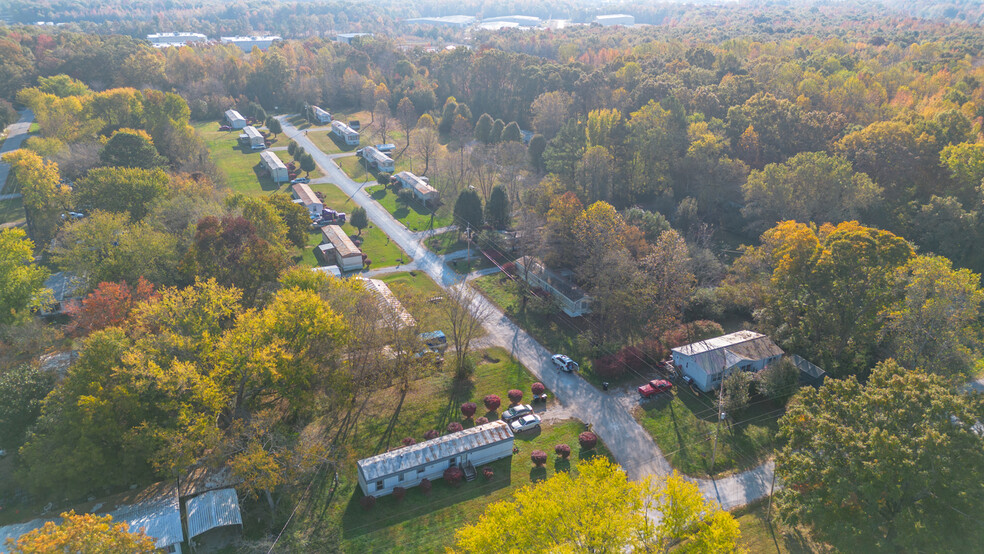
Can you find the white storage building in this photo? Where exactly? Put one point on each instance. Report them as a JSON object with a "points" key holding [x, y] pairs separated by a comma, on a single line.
{"points": [[420, 187], [347, 255], [163, 40], [308, 199], [709, 361], [321, 115], [235, 119], [349, 135], [408, 466], [377, 159], [614, 19], [255, 139], [247, 43], [275, 166]]}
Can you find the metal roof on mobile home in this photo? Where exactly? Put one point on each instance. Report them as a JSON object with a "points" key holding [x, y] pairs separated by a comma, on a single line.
{"points": [[212, 509], [427, 452], [251, 132]]}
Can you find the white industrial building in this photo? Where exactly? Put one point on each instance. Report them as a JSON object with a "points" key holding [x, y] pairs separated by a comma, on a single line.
{"points": [[377, 159], [518, 20], [408, 466], [572, 300], [235, 119], [614, 19], [348, 37], [347, 134], [275, 166], [303, 194], [321, 115], [446, 21], [163, 40], [709, 361], [335, 244], [247, 43], [254, 138], [421, 188]]}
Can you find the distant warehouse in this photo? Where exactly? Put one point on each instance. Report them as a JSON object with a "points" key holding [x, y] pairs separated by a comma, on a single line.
{"points": [[247, 43], [614, 19], [163, 40], [274, 165]]}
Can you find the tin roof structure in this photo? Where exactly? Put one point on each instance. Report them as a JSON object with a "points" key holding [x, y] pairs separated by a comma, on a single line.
{"points": [[212, 509]]}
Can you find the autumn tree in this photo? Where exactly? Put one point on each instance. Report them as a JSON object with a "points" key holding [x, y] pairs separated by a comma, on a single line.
{"points": [[131, 148], [295, 216], [109, 305], [550, 112], [45, 197], [406, 116], [120, 189], [23, 388], [911, 478], [426, 143], [511, 133], [465, 312], [21, 280], [359, 219], [83, 533]]}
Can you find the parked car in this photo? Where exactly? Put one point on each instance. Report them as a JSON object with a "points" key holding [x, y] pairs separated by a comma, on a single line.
{"points": [[355, 125], [563, 362], [525, 423], [435, 340], [517, 411], [655, 387], [225, 128], [300, 180]]}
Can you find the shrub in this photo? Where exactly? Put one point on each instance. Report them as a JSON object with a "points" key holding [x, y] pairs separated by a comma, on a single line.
{"points": [[383, 178], [492, 402], [481, 421], [691, 332], [652, 351], [515, 396], [588, 440], [488, 473], [538, 457], [399, 493], [409, 441], [453, 475], [563, 450], [454, 427], [426, 486], [538, 389], [509, 268], [468, 409], [615, 365], [432, 434], [404, 196], [367, 502]]}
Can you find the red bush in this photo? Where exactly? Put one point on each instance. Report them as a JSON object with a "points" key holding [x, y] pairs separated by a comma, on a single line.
{"points": [[538, 389], [509, 268], [481, 421], [588, 440], [468, 409], [367, 502], [432, 434], [409, 441], [515, 396], [399, 493], [454, 427], [492, 402], [653, 351], [538, 457], [563, 450], [615, 365], [426, 486], [453, 475], [488, 473]]}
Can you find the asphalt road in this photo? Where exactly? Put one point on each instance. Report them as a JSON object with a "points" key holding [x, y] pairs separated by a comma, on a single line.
{"points": [[16, 133]]}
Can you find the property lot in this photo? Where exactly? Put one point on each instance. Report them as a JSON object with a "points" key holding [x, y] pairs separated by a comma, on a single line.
{"points": [[414, 214]]}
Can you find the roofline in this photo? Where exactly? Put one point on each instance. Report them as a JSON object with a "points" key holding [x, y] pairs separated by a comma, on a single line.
{"points": [[436, 460]]}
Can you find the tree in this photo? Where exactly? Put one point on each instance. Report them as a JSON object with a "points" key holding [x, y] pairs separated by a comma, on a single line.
{"points": [[83, 533], [292, 148], [593, 174], [468, 210], [965, 164], [538, 144], [274, 126], [483, 129], [497, 213], [406, 116], [778, 381], [21, 280], [550, 112], [466, 314], [131, 148], [672, 280], [900, 483], [737, 392], [307, 164], [22, 390], [495, 134], [510, 133], [359, 219], [381, 119], [600, 510], [295, 216], [120, 189], [45, 198], [447, 116], [109, 305], [426, 143]]}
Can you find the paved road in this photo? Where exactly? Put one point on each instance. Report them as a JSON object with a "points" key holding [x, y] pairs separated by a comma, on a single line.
{"points": [[629, 443], [16, 133]]}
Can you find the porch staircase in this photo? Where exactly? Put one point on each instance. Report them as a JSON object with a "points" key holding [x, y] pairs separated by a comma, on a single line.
{"points": [[470, 472]]}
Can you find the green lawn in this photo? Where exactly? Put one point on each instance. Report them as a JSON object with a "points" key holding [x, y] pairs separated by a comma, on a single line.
{"points": [[354, 168], [12, 211], [376, 244], [446, 242], [427, 523], [414, 215], [241, 166], [419, 294], [684, 426], [34, 128], [760, 536]]}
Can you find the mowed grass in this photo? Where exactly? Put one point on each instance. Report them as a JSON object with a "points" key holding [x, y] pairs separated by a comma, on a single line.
{"points": [[241, 166], [427, 523], [761, 536], [382, 251], [683, 426], [446, 242], [415, 215], [12, 211], [421, 296]]}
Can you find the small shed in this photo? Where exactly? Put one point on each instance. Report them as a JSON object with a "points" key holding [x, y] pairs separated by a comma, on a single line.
{"points": [[308, 199], [345, 133], [214, 519], [321, 115], [235, 119], [408, 466], [275, 166], [810, 374], [329, 270], [155, 511], [348, 256]]}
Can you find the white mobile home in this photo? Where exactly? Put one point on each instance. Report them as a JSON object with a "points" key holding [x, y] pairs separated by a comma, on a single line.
{"points": [[235, 119], [377, 159], [274, 165], [398, 315], [420, 187], [308, 199], [347, 134], [321, 115], [408, 466], [254, 138], [573, 301], [347, 254], [709, 361]]}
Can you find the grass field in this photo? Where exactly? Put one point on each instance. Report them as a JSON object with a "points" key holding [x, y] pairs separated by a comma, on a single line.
{"points": [[414, 215], [12, 211], [684, 426], [427, 523], [446, 242], [354, 168], [760, 536]]}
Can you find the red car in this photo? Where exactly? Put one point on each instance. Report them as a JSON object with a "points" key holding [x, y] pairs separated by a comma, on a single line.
{"points": [[655, 387]]}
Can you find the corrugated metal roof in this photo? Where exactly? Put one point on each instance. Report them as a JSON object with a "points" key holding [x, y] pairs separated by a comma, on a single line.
{"points": [[251, 132], [724, 352], [423, 453], [16, 530], [233, 115], [343, 128], [305, 194], [381, 289], [271, 160], [212, 509], [716, 343], [342, 243], [156, 512], [372, 154], [320, 111]]}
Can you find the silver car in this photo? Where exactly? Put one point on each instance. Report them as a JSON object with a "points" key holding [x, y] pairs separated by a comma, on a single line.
{"points": [[525, 423]]}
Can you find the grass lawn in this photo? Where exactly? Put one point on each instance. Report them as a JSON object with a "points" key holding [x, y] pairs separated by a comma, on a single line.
{"points": [[376, 244], [354, 168], [683, 427], [34, 128], [760, 536], [415, 290], [427, 523], [446, 242], [414, 215], [12, 211], [241, 166]]}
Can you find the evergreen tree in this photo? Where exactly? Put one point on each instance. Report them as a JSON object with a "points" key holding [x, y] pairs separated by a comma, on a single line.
{"points": [[483, 129], [497, 209], [468, 209]]}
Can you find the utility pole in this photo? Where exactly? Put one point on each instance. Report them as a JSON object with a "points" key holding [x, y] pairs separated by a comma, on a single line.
{"points": [[717, 429], [468, 240]]}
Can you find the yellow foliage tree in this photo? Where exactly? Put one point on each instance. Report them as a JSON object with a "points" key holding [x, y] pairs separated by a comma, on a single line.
{"points": [[82, 533]]}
